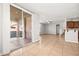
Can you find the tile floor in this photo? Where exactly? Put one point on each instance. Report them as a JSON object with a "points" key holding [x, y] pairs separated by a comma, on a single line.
{"points": [[50, 45]]}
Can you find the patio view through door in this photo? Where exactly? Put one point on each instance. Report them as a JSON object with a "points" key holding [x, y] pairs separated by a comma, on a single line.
{"points": [[16, 30], [27, 27], [20, 28]]}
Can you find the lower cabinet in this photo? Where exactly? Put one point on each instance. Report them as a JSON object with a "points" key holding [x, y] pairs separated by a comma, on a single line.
{"points": [[71, 36]]}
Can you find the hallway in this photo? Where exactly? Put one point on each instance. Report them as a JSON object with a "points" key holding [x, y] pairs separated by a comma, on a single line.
{"points": [[50, 45]]}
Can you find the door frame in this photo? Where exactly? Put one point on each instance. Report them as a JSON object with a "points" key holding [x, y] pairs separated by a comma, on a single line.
{"points": [[57, 29]]}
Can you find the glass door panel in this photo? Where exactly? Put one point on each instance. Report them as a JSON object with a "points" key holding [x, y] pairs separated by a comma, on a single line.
{"points": [[27, 27], [16, 27]]}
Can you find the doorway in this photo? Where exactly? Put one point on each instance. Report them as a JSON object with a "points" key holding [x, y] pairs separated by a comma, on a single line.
{"points": [[57, 29]]}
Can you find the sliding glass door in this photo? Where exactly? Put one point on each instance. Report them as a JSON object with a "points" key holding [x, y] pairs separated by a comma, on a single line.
{"points": [[20, 28], [27, 27], [16, 27]]}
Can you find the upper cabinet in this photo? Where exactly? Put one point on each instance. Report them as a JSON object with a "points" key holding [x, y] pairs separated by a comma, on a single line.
{"points": [[76, 24], [72, 24]]}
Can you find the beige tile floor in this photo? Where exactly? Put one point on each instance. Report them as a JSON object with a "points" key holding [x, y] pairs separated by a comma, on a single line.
{"points": [[50, 45]]}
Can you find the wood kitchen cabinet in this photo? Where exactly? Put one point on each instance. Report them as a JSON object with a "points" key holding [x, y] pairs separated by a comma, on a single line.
{"points": [[72, 24], [76, 24]]}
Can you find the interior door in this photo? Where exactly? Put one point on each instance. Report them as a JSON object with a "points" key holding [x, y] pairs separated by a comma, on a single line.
{"points": [[57, 29]]}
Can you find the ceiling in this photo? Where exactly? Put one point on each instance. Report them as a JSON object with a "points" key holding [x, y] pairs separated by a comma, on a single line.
{"points": [[56, 10]]}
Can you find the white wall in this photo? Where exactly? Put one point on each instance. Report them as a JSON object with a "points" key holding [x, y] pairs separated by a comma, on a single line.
{"points": [[35, 27], [6, 28], [62, 27], [43, 28], [52, 28], [0, 27]]}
